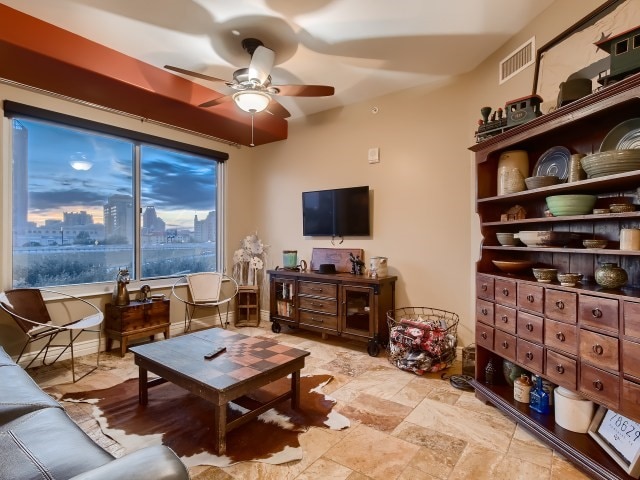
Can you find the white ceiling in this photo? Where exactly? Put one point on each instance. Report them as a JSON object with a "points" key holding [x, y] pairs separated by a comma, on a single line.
{"points": [[364, 48]]}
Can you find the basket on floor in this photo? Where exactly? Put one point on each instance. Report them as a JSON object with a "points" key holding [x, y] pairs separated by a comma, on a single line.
{"points": [[422, 339]]}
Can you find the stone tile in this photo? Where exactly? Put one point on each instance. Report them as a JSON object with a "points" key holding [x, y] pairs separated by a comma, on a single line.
{"points": [[532, 452], [412, 473], [381, 414], [325, 469], [563, 470], [478, 463]]}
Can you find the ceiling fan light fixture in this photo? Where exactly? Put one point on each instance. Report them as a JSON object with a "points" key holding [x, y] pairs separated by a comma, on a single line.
{"points": [[252, 101]]}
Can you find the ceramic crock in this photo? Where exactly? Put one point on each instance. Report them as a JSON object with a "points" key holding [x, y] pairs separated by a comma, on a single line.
{"points": [[610, 275], [513, 168]]}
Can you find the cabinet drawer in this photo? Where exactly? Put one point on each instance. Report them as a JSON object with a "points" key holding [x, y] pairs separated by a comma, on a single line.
{"points": [[484, 336], [631, 319], [630, 401], [505, 292], [484, 287], [318, 289], [530, 327], [505, 318], [505, 345], [531, 297], [631, 358], [318, 320], [599, 385], [598, 312], [561, 336], [599, 350], [559, 305], [561, 369], [484, 311], [530, 355], [326, 305]]}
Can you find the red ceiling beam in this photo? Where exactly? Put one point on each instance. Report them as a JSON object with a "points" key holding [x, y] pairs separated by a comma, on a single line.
{"points": [[41, 55]]}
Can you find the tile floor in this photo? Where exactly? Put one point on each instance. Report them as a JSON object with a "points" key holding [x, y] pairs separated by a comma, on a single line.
{"points": [[403, 426]]}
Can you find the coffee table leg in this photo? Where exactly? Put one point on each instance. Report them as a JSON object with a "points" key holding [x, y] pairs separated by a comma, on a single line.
{"points": [[295, 390], [142, 386], [220, 428]]}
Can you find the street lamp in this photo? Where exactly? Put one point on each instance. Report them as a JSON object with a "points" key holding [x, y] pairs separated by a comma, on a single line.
{"points": [[62, 236]]}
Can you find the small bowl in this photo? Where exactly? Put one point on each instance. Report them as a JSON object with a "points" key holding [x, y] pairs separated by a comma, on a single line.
{"points": [[594, 243], [545, 275], [541, 181], [506, 239], [569, 279], [622, 207], [601, 211]]}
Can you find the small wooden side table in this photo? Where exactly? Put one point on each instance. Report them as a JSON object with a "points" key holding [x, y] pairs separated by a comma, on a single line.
{"points": [[136, 320], [247, 306]]}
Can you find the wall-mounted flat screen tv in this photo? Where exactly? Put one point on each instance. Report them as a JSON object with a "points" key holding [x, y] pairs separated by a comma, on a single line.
{"points": [[339, 212]]}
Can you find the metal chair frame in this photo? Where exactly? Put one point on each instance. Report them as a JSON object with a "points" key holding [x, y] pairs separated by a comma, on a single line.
{"points": [[50, 331], [214, 301]]}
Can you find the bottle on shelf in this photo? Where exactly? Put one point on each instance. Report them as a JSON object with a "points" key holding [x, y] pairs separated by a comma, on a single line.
{"points": [[539, 399], [522, 389]]}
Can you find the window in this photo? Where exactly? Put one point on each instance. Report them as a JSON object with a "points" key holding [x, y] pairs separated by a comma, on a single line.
{"points": [[75, 193], [622, 47]]}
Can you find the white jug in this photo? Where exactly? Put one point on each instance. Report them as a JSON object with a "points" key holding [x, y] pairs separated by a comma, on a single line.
{"points": [[378, 267]]}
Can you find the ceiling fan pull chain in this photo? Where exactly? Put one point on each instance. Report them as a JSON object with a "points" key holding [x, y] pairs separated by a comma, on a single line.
{"points": [[251, 144]]}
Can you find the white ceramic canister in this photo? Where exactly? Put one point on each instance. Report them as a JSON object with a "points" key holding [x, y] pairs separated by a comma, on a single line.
{"points": [[572, 412], [630, 239], [508, 161], [378, 266]]}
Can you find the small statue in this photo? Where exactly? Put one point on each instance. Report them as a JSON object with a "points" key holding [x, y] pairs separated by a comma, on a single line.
{"points": [[120, 295], [357, 265], [145, 293]]}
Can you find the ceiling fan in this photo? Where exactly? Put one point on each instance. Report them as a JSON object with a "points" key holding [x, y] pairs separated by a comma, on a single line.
{"points": [[253, 89]]}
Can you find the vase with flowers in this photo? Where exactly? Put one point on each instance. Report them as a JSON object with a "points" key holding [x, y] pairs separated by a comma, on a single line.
{"points": [[249, 260]]}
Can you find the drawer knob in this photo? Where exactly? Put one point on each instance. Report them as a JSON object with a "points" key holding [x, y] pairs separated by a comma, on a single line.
{"points": [[505, 319], [560, 336], [559, 368], [529, 326], [485, 311], [316, 289], [505, 292], [529, 356], [484, 335], [315, 304], [560, 305], [597, 349], [505, 344], [596, 312], [597, 384], [318, 320], [530, 298], [484, 287]]}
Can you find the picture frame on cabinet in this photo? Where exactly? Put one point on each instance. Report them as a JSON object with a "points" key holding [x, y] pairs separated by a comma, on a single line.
{"points": [[619, 436]]}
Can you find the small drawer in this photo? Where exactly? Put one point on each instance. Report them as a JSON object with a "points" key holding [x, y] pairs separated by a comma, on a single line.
{"points": [[561, 336], [484, 335], [505, 345], [560, 305], [530, 327], [561, 369], [598, 312], [484, 287], [318, 320], [631, 318], [505, 292], [599, 350], [630, 401], [318, 289], [505, 318], [484, 311], [601, 386], [531, 297], [326, 305], [630, 358], [530, 355]]}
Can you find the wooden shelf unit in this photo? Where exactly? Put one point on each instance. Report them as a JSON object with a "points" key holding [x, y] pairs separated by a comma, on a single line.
{"points": [[247, 311]]}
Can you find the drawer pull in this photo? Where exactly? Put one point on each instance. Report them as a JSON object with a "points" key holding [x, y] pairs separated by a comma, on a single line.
{"points": [[559, 368], [485, 312], [530, 298], [597, 384], [529, 356], [597, 349], [505, 344], [529, 327], [316, 289], [596, 312], [318, 320], [560, 336], [484, 335], [484, 287], [505, 319], [315, 304], [560, 305], [505, 292]]}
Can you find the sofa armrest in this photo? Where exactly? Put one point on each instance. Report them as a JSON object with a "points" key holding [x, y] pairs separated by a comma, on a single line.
{"points": [[158, 462]]}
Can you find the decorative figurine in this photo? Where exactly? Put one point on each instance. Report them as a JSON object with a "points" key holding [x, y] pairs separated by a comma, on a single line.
{"points": [[120, 295], [145, 293], [357, 265]]}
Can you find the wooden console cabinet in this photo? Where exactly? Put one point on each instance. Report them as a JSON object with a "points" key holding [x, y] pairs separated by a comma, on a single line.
{"points": [[136, 320], [343, 304], [584, 338]]}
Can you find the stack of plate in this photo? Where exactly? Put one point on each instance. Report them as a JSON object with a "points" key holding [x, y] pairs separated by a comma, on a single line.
{"points": [[611, 162]]}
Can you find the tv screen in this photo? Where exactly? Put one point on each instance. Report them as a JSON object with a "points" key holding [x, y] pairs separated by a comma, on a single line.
{"points": [[339, 212]]}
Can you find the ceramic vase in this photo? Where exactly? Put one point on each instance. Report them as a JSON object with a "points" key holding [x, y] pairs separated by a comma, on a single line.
{"points": [[513, 168], [511, 371], [610, 275]]}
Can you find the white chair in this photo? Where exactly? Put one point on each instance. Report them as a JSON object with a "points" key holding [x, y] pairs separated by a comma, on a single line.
{"points": [[27, 307], [205, 289]]}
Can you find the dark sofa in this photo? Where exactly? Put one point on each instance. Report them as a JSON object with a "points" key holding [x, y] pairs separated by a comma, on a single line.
{"points": [[38, 440]]}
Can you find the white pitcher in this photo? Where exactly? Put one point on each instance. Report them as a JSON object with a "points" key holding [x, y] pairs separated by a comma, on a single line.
{"points": [[378, 267]]}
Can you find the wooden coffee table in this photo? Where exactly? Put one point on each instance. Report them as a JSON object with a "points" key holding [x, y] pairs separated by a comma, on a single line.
{"points": [[248, 364]]}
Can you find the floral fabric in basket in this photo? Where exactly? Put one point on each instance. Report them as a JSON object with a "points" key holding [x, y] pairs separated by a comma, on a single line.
{"points": [[421, 346]]}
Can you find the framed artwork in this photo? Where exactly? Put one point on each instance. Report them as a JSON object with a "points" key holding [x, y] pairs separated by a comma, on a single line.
{"points": [[619, 437], [573, 53]]}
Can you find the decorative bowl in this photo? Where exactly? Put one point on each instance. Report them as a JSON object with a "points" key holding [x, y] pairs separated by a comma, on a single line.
{"points": [[563, 205], [545, 275], [506, 239], [610, 162], [541, 181], [546, 238], [569, 279], [594, 243], [601, 211], [512, 266], [622, 207]]}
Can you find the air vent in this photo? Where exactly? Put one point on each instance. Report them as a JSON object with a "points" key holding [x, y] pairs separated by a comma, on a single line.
{"points": [[517, 61]]}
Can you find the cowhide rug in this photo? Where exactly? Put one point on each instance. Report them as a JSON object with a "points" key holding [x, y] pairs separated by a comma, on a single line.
{"points": [[184, 422]]}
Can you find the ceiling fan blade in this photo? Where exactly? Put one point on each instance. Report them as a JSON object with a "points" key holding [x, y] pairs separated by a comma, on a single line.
{"points": [[216, 101], [274, 108], [304, 90], [261, 64], [194, 74]]}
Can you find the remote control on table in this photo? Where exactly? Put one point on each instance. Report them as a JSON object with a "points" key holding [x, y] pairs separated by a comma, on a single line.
{"points": [[215, 352]]}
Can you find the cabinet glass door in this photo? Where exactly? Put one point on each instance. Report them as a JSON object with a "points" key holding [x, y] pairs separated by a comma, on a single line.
{"points": [[356, 314], [284, 297]]}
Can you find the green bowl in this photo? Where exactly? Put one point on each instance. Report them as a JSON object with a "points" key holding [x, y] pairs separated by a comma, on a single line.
{"points": [[563, 205]]}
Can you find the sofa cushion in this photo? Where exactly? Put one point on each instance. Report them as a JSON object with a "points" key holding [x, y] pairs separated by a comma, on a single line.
{"points": [[47, 444]]}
